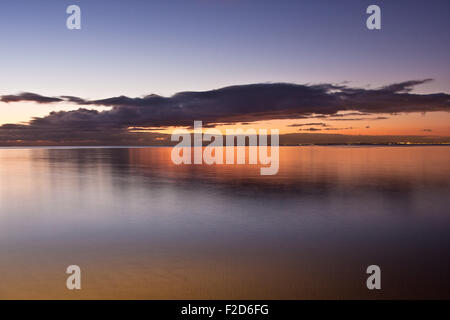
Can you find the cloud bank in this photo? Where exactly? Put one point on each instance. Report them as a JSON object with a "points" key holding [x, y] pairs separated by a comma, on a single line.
{"points": [[233, 104]]}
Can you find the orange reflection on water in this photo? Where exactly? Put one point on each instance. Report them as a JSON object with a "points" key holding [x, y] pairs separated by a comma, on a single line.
{"points": [[141, 227]]}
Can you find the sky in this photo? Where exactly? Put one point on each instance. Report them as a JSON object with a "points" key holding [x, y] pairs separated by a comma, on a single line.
{"points": [[138, 48]]}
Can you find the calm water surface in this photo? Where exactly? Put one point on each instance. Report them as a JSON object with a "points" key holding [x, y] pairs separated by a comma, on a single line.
{"points": [[142, 228]]}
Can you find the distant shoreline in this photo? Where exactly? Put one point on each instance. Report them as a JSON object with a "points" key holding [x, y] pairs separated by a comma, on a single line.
{"points": [[287, 145]]}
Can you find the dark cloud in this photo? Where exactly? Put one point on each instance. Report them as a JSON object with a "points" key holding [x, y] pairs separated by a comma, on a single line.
{"points": [[29, 97], [73, 99], [350, 114], [327, 129], [308, 124], [406, 86], [234, 104], [358, 119], [310, 129], [348, 128]]}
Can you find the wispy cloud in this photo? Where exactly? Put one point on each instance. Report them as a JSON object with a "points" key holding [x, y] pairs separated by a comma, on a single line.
{"points": [[29, 97], [359, 119], [321, 124]]}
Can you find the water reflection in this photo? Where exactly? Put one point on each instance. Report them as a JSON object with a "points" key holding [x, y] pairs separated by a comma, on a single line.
{"points": [[141, 227]]}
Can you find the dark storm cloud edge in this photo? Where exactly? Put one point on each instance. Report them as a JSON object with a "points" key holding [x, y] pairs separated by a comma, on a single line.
{"points": [[234, 104], [240, 103]]}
